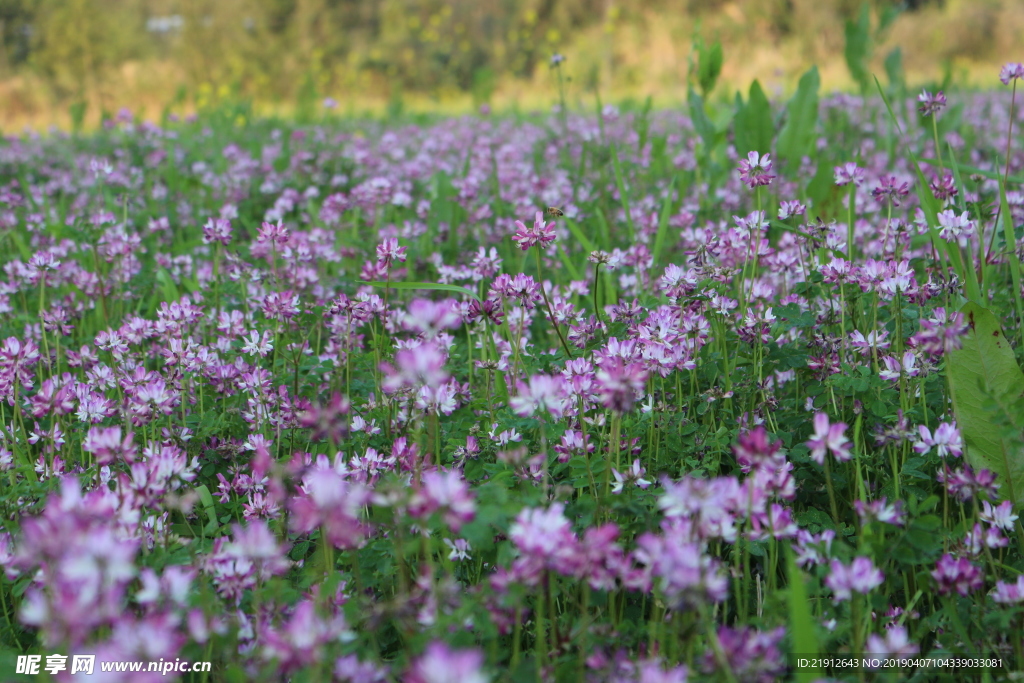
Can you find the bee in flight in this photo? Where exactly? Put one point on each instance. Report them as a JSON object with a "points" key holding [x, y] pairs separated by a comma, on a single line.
{"points": [[555, 211]]}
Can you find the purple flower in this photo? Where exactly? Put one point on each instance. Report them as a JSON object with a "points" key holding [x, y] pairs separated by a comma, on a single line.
{"points": [[756, 170], [618, 383], [1009, 593], [958, 575], [931, 104], [544, 394], [544, 538], [946, 441], [888, 192], [849, 173], [440, 664], [541, 233], [880, 511], [953, 227], [965, 483], [896, 643], [829, 438], [388, 252], [217, 230], [444, 490], [751, 655], [107, 445], [791, 207], [1000, 516], [861, 576], [1012, 71], [633, 475]]}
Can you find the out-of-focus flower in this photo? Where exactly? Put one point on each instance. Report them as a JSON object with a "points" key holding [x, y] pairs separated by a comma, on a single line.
{"points": [[860, 576], [930, 104], [1013, 71]]}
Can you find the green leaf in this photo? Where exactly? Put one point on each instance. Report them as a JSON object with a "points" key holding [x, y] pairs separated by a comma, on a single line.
{"points": [[858, 46], [569, 266], [207, 500], [709, 67], [754, 127], [666, 209], [424, 285], [620, 183], [797, 137], [574, 228], [985, 366], [701, 123], [801, 622], [894, 67]]}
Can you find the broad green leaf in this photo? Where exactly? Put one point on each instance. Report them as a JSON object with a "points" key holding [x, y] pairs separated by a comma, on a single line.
{"points": [[709, 67], [985, 366], [207, 500], [801, 622], [754, 127], [858, 46], [894, 67], [797, 137], [424, 285], [701, 123]]}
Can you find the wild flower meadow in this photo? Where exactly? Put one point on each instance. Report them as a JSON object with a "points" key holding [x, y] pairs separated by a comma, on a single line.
{"points": [[622, 396]]}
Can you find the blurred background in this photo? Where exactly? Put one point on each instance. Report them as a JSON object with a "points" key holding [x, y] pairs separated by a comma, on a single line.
{"points": [[72, 62]]}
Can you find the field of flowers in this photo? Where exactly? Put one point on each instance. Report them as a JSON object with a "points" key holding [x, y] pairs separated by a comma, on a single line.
{"points": [[621, 396]]}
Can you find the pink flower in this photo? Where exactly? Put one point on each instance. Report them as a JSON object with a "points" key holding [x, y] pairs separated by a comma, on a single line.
{"points": [[756, 170], [861, 576], [1000, 516], [439, 664], [1012, 71], [1009, 593], [544, 538], [953, 227], [107, 445], [217, 230], [849, 173], [829, 438], [421, 365], [946, 440], [896, 643], [633, 475], [541, 233], [444, 490], [388, 252], [931, 104], [544, 394], [956, 575], [880, 510]]}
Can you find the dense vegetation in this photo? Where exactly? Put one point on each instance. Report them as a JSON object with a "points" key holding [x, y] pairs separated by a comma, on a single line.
{"points": [[629, 396]]}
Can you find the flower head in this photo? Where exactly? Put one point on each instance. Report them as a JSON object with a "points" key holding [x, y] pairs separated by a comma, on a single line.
{"points": [[1010, 72], [931, 104], [541, 233], [861, 576], [756, 170], [828, 438]]}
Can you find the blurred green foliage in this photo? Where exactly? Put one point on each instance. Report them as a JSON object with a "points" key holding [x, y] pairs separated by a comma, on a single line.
{"points": [[281, 48]]}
